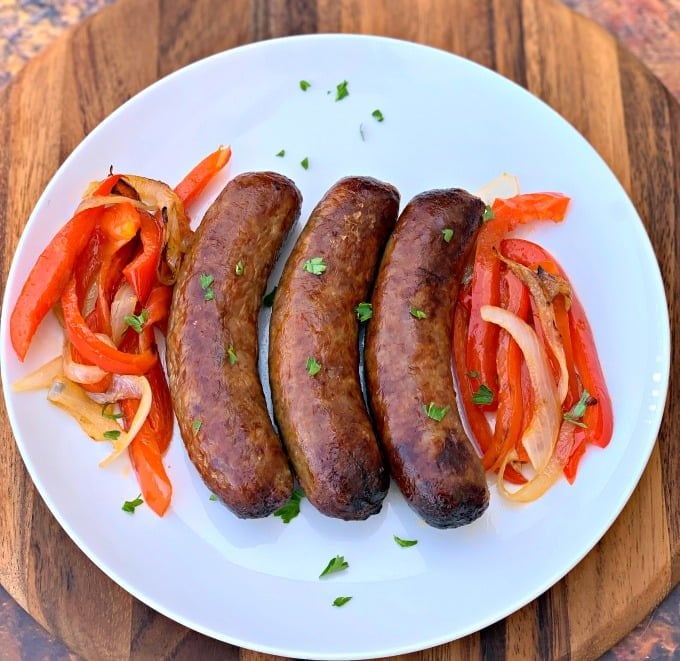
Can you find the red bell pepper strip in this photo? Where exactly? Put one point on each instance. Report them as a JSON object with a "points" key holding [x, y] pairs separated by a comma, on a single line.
{"points": [[508, 430], [158, 308], [147, 460], [141, 271], [193, 184], [529, 207], [114, 258], [476, 419], [120, 222], [51, 272], [91, 348]]}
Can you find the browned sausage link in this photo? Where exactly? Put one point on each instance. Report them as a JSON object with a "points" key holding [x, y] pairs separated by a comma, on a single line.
{"points": [[408, 359], [213, 347], [322, 417]]}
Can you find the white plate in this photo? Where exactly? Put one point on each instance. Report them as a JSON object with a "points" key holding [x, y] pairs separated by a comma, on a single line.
{"points": [[448, 122]]}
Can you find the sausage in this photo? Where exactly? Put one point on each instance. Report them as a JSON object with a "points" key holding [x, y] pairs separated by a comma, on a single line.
{"points": [[322, 417], [408, 360], [212, 344]]}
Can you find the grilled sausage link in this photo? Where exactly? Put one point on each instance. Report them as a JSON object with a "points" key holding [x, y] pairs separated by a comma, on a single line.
{"points": [[408, 359], [212, 346], [322, 416]]}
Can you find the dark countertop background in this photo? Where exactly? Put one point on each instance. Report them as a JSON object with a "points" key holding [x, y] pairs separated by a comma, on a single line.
{"points": [[648, 28]]}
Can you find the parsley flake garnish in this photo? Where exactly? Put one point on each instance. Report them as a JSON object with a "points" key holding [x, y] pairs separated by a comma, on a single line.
{"points": [[136, 321], [315, 265], [483, 396], [448, 234], [418, 314], [238, 269], [129, 506], [110, 416], [206, 286], [364, 311], [233, 358], [305, 85], [111, 435], [473, 374], [341, 91], [335, 564], [488, 214], [313, 368], [196, 426], [292, 508], [268, 300], [282, 153], [305, 163], [213, 497], [405, 543], [578, 410], [378, 115], [435, 412], [341, 601]]}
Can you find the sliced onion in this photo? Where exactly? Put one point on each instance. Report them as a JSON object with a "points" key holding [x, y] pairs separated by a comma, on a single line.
{"points": [[541, 433], [546, 315], [122, 442], [42, 377], [544, 479], [71, 398], [177, 235], [123, 304], [95, 201], [504, 186], [79, 373], [90, 299], [122, 387]]}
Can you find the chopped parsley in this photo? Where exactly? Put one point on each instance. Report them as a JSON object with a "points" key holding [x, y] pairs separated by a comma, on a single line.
{"points": [[488, 213], [213, 497], [341, 91], [378, 115], [484, 395], [341, 601], [112, 435], [405, 543], [238, 269], [268, 300], [129, 506], [292, 508], [364, 311], [435, 412], [206, 286], [578, 410], [313, 368], [418, 314], [473, 374], [305, 163], [136, 321], [447, 232], [196, 426], [233, 358], [335, 564], [282, 153], [305, 85], [315, 265], [110, 416]]}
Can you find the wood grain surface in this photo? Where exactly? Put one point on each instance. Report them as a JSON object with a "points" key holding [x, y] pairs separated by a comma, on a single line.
{"points": [[563, 58]]}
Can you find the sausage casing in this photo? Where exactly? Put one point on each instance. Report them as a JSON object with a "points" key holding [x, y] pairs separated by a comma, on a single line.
{"points": [[408, 359], [212, 344], [322, 417]]}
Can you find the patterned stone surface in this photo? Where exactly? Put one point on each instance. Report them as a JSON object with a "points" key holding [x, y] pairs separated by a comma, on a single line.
{"points": [[649, 28]]}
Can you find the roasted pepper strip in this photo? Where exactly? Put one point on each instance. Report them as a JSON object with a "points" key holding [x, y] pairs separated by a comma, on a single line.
{"points": [[141, 271], [193, 184], [91, 348], [51, 272]]}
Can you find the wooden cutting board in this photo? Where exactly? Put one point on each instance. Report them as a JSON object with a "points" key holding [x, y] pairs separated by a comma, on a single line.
{"points": [[561, 57]]}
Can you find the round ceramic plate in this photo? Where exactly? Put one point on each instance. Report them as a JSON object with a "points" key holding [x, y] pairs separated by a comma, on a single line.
{"points": [[447, 122]]}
